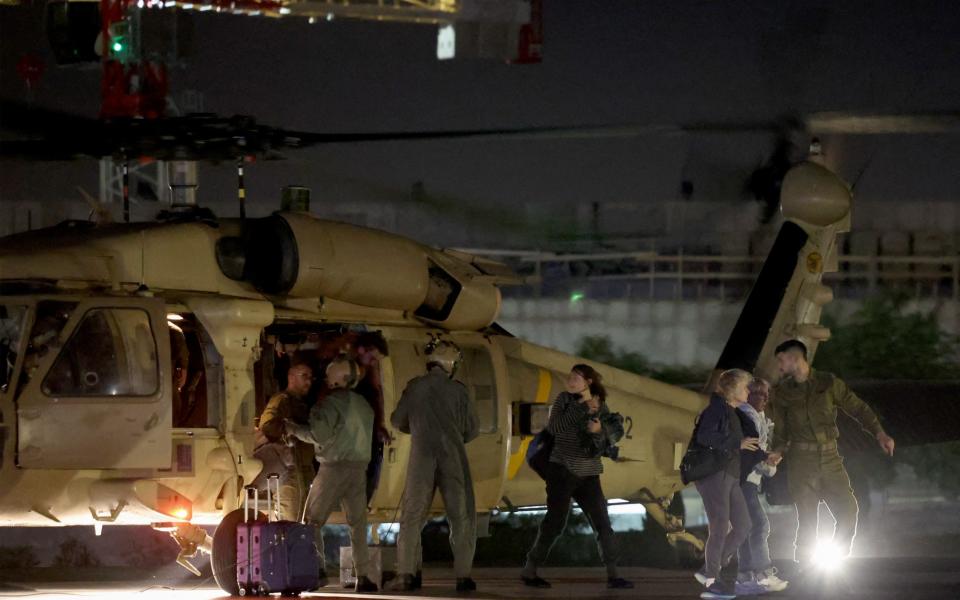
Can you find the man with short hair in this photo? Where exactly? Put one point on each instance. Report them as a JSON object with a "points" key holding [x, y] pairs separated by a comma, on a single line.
{"points": [[340, 430], [370, 348], [288, 457], [804, 410]]}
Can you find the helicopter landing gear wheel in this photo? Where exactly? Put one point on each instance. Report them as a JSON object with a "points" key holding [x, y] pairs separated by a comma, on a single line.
{"points": [[223, 555]]}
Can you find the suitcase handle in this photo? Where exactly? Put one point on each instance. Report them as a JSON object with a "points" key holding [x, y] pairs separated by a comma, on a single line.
{"points": [[273, 498], [246, 502]]}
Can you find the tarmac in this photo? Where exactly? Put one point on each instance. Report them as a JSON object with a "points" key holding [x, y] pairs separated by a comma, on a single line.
{"points": [[873, 578]]}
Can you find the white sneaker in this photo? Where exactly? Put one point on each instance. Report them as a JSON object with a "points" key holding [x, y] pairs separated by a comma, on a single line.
{"points": [[773, 583], [702, 578]]}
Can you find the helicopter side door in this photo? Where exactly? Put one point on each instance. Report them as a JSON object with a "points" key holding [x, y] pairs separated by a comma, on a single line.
{"points": [[483, 374], [98, 394], [487, 453]]}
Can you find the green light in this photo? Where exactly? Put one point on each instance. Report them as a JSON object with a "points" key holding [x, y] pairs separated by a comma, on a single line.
{"points": [[117, 46], [577, 296]]}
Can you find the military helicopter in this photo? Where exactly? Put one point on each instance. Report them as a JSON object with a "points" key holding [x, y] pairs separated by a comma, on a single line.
{"points": [[95, 431]]}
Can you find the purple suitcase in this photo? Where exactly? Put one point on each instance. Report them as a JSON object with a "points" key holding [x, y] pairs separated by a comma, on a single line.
{"points": [[288, 557], [248, 571], [274, 556]]}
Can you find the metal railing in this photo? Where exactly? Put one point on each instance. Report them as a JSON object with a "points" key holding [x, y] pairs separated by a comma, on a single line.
{"points": [[652, 275]]}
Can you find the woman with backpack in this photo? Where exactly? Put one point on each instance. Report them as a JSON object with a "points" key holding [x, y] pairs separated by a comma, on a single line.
{"points": [[583, 429]]}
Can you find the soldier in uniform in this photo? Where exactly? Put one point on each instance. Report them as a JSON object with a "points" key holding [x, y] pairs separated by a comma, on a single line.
{"points": [[437, 413], [290, 458], [804, 412], [340, 431]]}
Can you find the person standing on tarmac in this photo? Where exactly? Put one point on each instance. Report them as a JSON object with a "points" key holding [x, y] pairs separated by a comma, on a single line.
{"points": [[573, 472], [340, 430], [728, 520], [440, 418], [804, 411], [370, 349], [757, 573], [288, 457]]}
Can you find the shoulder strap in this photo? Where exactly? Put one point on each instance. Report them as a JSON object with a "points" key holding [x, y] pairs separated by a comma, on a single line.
{"points": [[696, 428]]}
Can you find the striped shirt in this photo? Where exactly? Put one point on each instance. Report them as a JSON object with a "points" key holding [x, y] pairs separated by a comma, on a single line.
{"points": [[567, 423]]}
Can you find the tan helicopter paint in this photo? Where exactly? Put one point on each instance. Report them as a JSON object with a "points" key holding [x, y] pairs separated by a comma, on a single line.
{"points": [[820, 202], [174, 267]]}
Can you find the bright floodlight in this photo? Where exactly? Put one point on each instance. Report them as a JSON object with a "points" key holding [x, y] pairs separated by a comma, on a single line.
{"points": [[446, 42], [828, 556]]}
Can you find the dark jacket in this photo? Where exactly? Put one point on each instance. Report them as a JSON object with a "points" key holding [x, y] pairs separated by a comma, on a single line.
{"points": [[749, 458], [807, 412], [719, 428]]}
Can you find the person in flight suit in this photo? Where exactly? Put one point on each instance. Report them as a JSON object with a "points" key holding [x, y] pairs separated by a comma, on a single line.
{"points": [[290, 458], [340, 431], [804, 412], [437, 413]]}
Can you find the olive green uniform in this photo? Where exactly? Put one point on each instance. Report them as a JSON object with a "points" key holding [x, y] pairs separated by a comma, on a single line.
{"points": [[805, 430], [340, 431], [290, 458]]}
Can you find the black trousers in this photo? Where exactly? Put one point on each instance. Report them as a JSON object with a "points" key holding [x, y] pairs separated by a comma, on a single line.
{"points": [[562, 486]]}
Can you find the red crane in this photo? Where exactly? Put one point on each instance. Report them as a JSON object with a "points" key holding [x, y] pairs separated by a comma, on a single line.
{"points": [[130, 87]]}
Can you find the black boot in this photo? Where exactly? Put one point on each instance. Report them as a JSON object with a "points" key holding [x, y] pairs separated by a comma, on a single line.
{"points": [[322, 581], [619, 583], [365, 585], [465, 584], [535, 581], [418, 580], [404, 582]]}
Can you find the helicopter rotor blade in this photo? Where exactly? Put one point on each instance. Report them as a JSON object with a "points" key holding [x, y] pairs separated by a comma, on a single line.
{"points": [[947, 122], [54, 135]]}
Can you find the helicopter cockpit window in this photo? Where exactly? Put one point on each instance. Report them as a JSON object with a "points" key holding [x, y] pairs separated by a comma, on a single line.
{"points": [[111, 353], [12, 319], [477, 374], [51, 317]]}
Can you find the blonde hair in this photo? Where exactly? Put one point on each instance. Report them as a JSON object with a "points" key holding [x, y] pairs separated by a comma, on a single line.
{"points": [[729, 380]]}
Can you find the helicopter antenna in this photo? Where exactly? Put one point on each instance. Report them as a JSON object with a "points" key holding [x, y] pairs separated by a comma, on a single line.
{"points": [[98, 212], [865, 166], [241, 189], [126, 188]]}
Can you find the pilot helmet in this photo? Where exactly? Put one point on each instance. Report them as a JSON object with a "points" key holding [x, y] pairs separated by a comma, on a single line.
{"points": [[342, 372], [446, 355]]}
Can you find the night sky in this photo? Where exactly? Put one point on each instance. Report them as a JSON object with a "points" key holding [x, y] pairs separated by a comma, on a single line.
{"points": [[604, 62]]}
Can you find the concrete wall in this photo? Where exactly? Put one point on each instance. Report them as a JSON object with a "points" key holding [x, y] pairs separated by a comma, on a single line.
{"points": [[671, 333]]}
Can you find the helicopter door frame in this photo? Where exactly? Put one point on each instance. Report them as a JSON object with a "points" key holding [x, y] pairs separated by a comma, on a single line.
{"points": [[488, 453], [8, 421], [63, 429]]}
